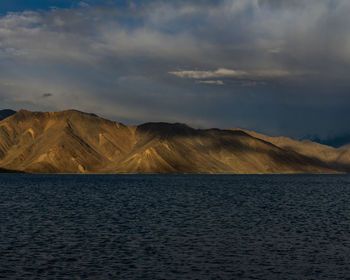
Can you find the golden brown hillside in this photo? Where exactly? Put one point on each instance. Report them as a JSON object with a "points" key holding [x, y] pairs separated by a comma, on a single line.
{"points": [[75, 142], [62, 142]]}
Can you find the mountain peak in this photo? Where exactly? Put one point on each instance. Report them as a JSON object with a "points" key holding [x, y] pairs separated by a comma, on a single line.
{"points": [[24, 114]]}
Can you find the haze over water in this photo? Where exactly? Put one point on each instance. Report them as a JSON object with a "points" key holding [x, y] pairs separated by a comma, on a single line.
{"points": [[174, 227]]}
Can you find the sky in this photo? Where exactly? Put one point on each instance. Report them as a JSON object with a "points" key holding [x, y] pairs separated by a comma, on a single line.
{"points": [[279, 67]]}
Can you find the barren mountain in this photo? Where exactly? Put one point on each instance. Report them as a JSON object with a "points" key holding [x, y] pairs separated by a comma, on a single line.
{"points": [[335, 158], [75, 142]]}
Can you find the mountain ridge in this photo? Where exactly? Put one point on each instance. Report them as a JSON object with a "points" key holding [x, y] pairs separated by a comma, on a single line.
{"points": [[76, 142]]}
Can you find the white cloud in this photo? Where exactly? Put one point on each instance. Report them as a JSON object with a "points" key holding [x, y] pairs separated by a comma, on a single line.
{"points": [[83, 4], [234, 74], [211, 82], [219, 73]]}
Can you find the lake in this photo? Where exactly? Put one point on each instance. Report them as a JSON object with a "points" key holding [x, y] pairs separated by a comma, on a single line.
{"points": [[174, 226]]}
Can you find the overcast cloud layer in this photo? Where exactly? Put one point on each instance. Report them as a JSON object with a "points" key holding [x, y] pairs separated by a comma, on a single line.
{"points": [[279, 67]]}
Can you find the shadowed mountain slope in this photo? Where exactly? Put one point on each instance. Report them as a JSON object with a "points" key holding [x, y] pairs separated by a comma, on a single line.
{"points": [[6, 113], [76, 142], [9, 171]]}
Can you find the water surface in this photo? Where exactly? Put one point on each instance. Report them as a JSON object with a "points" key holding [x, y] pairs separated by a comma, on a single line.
{"points": [[174, 227]]}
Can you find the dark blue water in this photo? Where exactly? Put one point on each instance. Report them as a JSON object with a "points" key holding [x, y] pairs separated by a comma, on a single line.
{"points": [[174, 227]]}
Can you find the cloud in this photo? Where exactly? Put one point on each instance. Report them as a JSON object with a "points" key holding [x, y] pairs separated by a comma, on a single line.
{"points": [[228, 73], [83, 4], [212, 82], [219, 73], [138, 62]]}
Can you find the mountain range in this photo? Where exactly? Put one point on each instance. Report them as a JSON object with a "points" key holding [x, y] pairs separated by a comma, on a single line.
{"points": [[76, 142]]}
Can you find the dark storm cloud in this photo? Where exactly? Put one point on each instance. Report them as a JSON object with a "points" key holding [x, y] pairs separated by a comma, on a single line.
{"points": [[275, 66]]}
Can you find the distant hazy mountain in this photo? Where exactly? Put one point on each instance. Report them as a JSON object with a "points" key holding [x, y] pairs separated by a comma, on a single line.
{"points": [[6, 113], [75, 142], [335, 158], [336, 141]]}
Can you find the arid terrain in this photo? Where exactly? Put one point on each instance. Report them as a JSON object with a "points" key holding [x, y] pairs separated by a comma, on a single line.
{"points": [[75, 142]]}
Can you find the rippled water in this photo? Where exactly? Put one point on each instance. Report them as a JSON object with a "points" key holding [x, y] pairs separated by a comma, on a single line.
{"points": [[174, 227]]}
